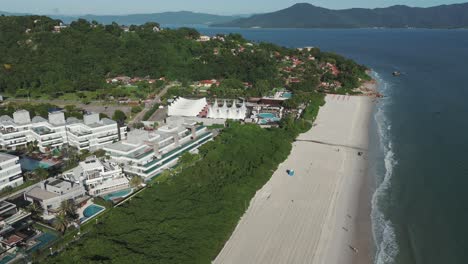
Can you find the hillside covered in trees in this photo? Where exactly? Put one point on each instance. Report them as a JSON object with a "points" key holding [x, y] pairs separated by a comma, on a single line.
{"points": [[37, 60], [309, 16]]}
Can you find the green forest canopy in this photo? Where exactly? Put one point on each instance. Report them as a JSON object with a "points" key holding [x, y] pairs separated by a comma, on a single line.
{"points": [[187, 218], [37, 61]]}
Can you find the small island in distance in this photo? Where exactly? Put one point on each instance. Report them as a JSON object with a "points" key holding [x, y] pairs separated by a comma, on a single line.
{"points": [[304, 15]]}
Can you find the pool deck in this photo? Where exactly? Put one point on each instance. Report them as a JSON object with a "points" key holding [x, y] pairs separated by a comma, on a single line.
{"points": [[81, 211], [110, 196]]}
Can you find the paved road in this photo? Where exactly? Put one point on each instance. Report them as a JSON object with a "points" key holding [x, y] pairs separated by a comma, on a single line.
{"points": [[157, 99]]}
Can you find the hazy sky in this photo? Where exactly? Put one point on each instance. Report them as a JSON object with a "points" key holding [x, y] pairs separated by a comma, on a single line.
{"points": [[209, 6]]}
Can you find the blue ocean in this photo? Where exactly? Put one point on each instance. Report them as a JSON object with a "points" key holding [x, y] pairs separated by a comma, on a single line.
{"points": [[419, 134]]}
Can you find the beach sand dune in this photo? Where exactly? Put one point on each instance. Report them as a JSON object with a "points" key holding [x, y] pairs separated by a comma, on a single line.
{"points": [[321, 214]]}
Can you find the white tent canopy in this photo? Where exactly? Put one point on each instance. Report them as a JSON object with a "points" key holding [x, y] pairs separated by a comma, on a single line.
{"points": [[186, 107], [226, 112]]}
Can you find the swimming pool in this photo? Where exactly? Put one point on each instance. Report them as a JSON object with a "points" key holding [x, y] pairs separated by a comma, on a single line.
{"points": [[92, 210], [287, 95], [267, 117], [119, 194], [7, 258], [44, 240], [29, 164]]}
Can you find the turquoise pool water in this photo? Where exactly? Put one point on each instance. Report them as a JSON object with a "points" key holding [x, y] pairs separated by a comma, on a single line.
{"points": [[7, 258], [267, 117], [92, 210], [287, 95], [118, 194], [44, 240], [29, 164]]}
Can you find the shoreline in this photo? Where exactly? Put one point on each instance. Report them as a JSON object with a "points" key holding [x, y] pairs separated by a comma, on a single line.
{"points": [[322, 213]]}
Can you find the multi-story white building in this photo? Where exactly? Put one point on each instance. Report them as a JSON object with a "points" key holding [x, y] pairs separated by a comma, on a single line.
{"points": [[50, 193], [91, 134], [10, 171], [147, 154], [98, 176]]}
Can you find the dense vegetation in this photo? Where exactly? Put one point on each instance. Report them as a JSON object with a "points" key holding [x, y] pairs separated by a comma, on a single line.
{"points": [[187, 217], [309, 16], [75, 63]]}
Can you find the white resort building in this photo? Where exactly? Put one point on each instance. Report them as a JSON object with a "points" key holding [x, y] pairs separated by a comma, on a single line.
{"points": [[10, 171], [224, 112], [200, 108], [50, 193], [91, 134], [98, 176], [147, 154], [187, 107]]}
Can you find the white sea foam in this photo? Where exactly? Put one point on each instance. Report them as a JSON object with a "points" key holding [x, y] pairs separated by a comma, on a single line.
{"points": [[383, 231]]}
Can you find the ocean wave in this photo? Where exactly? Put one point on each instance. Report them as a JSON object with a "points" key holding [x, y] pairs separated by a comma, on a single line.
{"points": [[383, 230]]}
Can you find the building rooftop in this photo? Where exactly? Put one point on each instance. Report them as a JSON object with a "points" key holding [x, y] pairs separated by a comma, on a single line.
{"points": [[42, 130], [6, 157], [120, 146], [41, 194], [139, 136], [5, 118], [91, 163], [6, 206], [38, 119]]}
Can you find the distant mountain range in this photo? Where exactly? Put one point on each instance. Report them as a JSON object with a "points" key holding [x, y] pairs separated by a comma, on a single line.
{"points": [[13, 14], [309, 16], [182, 17], [302, 16]]}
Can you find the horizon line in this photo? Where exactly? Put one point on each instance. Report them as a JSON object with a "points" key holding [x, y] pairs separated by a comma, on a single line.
{"points": [[215, 13]]}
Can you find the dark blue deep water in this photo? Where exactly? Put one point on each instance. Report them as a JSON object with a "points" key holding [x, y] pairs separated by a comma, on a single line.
{"points": [[420, 134]]}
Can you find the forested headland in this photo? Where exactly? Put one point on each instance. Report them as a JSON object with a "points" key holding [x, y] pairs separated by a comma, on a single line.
{"points": [[39, 62]]}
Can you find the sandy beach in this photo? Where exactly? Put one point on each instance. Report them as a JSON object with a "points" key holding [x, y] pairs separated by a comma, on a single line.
{"points": [[322, 213]]}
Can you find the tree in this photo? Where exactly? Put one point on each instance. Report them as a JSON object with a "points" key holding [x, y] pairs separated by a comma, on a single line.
{"points": [[84, 154], [41, 173], [35, 210], [99, 153], [136, 109], [68, 208], [136, 181], [138, 125], [32, 146], [119, 117], [262, 87], [61, 222]]}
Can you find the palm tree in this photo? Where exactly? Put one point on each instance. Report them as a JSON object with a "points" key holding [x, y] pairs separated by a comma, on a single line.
{"points": [[68, 208], [61, 222], [35, 210]]}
